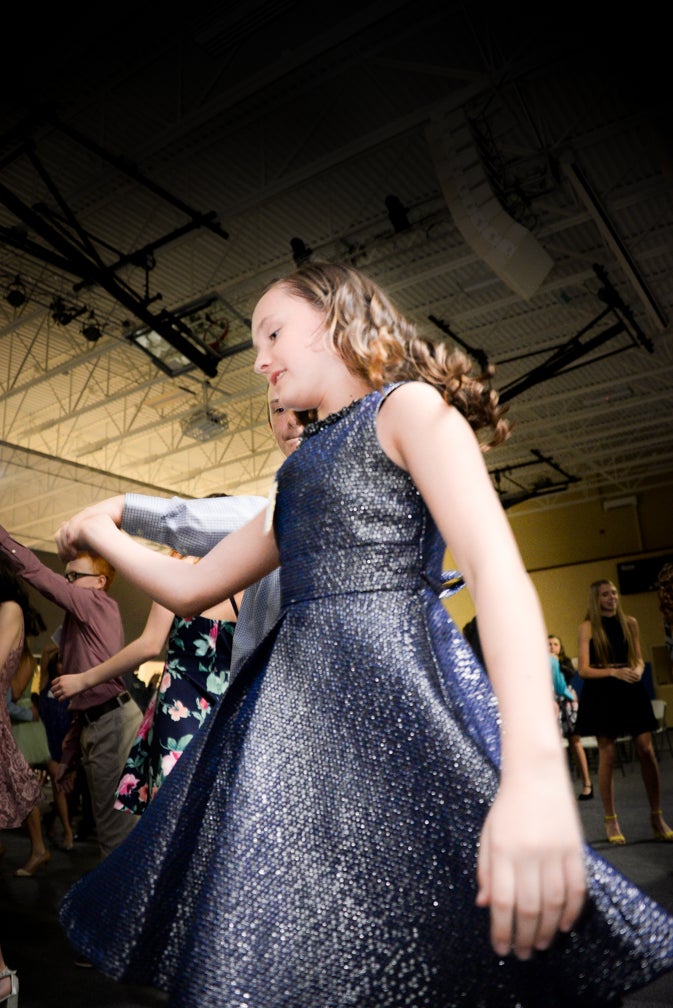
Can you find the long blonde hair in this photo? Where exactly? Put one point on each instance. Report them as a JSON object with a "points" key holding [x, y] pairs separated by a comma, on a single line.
{"points": [[602, 647], [380, 346]]}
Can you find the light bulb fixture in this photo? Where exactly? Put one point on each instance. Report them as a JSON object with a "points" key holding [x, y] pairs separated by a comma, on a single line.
{"points": [[16, 294]]}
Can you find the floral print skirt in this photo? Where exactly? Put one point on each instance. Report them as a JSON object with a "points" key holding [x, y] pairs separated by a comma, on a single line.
{"points": [[195, 675]]}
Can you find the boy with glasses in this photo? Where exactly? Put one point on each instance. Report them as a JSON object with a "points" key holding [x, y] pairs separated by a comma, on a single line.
{"points": [[105, 717]]}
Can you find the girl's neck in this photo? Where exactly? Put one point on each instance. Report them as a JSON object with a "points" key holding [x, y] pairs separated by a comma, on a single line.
{"points": [[339, 398]]}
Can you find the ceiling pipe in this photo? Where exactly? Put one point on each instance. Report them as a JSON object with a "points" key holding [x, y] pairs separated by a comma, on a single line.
{"points": [[590, 201]]}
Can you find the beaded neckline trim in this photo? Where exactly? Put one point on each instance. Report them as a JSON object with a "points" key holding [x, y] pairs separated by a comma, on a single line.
{"points": [[331, 418]]}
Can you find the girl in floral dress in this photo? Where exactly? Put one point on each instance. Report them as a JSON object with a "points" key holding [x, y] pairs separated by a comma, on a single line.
{"points": [[20, 791], [195, 675]]}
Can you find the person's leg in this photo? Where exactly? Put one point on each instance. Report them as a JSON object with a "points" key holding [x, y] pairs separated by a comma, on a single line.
{"points": [[107, 742], [580, 757], [61, 807], [79, 806], [9, 984], [607, 757], [39, 854], [649, 769]]}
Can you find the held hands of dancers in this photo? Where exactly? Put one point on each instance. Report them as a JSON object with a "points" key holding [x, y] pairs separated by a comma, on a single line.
{"points": [[68, 541]]}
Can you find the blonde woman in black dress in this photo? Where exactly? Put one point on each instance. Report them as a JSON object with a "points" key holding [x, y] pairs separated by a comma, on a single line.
{"points": [[614, 702]]}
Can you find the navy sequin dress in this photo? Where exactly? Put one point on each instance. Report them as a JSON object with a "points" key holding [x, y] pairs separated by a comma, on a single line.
{"points": [[316, 845]]}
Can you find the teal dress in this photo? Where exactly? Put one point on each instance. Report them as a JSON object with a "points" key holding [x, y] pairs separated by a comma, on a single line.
{"points": [[566, 701], [195, 675]]}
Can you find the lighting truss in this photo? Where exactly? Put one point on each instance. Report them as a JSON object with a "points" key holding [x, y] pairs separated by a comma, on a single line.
{"points": [[174, 344]]}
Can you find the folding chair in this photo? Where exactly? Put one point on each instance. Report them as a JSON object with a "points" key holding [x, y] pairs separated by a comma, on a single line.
{"points": [[659, 709]]}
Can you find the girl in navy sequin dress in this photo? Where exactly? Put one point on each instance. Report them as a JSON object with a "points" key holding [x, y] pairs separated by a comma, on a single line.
{"points": [[367, 819]]}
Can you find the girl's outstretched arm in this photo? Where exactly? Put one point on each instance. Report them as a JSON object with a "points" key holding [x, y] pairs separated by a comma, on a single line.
{"points": [[236, 562], [530, 868], [142, 649]]}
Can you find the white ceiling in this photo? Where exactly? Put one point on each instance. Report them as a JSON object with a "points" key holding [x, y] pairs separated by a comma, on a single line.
{"points": [[129, 149]]}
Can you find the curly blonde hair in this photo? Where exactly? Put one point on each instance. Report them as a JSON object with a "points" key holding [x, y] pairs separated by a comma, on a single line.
{"points": [[380, 346]]}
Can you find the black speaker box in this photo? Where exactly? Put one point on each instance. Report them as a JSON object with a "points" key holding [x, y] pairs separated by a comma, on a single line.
{"points": [[641, 575]]}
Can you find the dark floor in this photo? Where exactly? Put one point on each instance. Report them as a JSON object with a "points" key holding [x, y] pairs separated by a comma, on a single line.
{"points": [[34, 944]]}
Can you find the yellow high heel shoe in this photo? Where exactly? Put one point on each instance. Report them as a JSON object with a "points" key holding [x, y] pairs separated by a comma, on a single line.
{"points": [[616, 838], [665, 835]]}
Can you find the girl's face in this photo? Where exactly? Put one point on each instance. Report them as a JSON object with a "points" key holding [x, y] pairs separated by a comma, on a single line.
{"points": [[291, 354], [608, 599], [554, 645]]}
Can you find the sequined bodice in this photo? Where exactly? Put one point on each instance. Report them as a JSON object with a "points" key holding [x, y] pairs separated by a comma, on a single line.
{"points": [[368, 530]]}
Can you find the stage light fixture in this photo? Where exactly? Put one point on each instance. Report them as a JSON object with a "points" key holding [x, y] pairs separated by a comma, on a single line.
{"points": [[16, 294], [91, 331], [397, 214], [65, 314], [300, 252]]}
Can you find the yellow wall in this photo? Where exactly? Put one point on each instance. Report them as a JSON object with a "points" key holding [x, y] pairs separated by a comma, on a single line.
{"points": [[565, 548]]}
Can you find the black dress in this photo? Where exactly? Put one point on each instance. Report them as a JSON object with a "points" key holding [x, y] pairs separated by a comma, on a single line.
{"points": [[611, 707], [316, 844]]}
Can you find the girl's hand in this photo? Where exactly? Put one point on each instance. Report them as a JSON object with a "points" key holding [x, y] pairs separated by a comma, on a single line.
{"points": [[531, 863], [69, 534], [627, 674], [64, 687]]}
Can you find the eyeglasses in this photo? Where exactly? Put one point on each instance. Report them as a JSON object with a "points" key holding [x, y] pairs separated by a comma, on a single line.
{"points": [[71, 576]]}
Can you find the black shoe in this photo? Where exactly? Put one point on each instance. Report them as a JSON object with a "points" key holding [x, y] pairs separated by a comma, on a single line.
{"points": [[84, 832], [586, 797]]}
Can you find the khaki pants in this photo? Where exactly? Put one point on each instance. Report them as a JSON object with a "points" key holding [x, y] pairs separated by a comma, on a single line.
{"points": [[105, 745]]}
